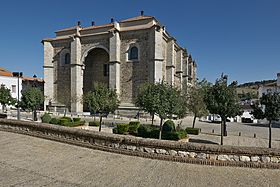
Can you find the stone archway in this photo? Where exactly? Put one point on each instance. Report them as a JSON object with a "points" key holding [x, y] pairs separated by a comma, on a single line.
{"points": [[96, 69]]}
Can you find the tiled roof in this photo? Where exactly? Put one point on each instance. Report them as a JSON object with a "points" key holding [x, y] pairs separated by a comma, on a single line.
{"points": [[32, 79], [68, 29], [4, 72], [99, 26]]}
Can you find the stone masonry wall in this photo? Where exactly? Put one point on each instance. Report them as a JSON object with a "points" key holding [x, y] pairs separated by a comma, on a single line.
{"points": [[150, 148]]}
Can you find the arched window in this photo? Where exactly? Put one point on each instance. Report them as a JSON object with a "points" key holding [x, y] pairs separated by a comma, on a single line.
{"points": [[133, 53], [67, 58]]}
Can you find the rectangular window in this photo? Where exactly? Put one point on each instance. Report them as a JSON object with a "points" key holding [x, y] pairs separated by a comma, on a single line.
{"points": [[106, 70], [14, 88]]}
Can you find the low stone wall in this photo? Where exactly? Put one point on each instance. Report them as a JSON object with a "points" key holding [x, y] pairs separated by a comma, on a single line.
{"points": [[150, 148]]}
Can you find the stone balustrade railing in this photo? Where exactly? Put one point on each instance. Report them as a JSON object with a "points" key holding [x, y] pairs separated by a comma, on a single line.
{"points": [[150, 148]]}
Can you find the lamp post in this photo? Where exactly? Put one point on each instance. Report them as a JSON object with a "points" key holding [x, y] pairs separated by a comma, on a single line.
{"points": [[18, 75]]}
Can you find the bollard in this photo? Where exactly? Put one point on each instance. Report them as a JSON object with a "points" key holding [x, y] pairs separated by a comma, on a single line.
{"points": [[239, 133], [213, 131], [255, 135]]}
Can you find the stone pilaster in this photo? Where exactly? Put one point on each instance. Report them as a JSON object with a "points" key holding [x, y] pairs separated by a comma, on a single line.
{"points": [[48, 73], [114, 68], [170, 62], [158, 55], [179, 66], [76, 76]]}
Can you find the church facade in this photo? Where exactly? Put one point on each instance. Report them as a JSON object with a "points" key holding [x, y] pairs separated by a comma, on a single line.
{"points": [[122, 55]]}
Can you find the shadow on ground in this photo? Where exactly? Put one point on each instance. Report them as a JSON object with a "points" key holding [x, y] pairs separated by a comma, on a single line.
{"points": [[262, 125], [201, 141]]}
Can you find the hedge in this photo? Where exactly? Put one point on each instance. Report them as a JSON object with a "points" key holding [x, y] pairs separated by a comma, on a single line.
{"points": [[122, 128], [194, 131], [168, 126], [133, 127], [94, 123], [46, 118], [148, 131], [54, 121], [174, 135], [76, 119]]}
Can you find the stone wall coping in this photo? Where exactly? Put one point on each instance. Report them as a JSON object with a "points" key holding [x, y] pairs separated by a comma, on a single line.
{"points": [[145, 142]]}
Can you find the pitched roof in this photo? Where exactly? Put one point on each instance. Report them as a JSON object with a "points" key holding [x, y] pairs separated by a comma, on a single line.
{"points": [[4, 72], [137, 18], [98, 26]]}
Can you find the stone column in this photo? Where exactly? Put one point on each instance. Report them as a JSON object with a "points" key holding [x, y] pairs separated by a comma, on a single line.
{"points": [[76, 76], [170, 62], [158, 56], [114, 68], [48, 73]]}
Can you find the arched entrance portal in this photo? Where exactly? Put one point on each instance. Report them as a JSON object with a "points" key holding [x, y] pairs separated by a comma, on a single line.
{"points": [[96, 69]]}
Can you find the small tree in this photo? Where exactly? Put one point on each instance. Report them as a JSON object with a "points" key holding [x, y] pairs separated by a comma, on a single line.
{"points": [[101, 100], [195, 100], [269, 108], [32, 99], [222, 99], [5, 97], [166, 101]]}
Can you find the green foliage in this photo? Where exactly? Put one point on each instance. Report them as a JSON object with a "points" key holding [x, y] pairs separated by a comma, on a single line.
{"points": [[74, 124], [223, 99], [94, 123], [76, 119], [148, 131], [46, 118], [122, 128], [133, 127], [68, 119], [174, 135], [194, 131], [168, 126], [6, 97], [63, 121], [101, 100], [115, 130], [163, 100], [54, 121], [32, 98], [269, 108]]}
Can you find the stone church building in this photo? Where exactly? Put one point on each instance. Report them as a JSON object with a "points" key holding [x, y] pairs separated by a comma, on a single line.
{"points": [[122, 54]]}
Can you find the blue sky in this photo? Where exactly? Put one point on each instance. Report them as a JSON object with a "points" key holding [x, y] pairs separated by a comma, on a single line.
{"points": [[240, 38]]}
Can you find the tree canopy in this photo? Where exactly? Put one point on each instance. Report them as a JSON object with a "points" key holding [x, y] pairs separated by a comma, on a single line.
{"points": [[269, 108], [101, 100], [6, 97], [222, 99]]}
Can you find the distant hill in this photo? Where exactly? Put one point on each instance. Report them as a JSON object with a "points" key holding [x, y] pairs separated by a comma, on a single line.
{"points": [[255, 85]]}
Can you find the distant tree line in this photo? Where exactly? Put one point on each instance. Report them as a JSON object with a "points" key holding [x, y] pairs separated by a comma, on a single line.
{"points": [[256, 83]]}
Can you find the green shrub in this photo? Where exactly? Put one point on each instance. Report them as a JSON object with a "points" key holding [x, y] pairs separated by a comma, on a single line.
{"points": [[174, 135], [63, 121], [133, 127], [168, 126], [115, 130], [94, 123], [54, 121], [66, 118], [76, 119], [46, 118], [148, 131], [75, 124], [122, 128], [194, 131]]}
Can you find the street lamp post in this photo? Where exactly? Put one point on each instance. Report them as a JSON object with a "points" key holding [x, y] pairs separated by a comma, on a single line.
{"points": [[18, 75]]}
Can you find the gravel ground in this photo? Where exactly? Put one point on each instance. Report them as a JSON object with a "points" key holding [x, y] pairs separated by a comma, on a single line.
{"points": [[29, 161]]}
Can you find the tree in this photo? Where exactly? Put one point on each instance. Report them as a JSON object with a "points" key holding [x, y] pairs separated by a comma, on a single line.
{"points": [[163, 100], [5, 97], [222, 99], [32, 99], [195, 100], [101, 100], [269, 108]]}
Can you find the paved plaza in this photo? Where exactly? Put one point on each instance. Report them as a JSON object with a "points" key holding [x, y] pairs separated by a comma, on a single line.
{"points": [[29, 161]]}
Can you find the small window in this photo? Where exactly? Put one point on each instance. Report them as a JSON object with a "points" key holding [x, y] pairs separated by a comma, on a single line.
{"points": [[133, 53], [14, 88], [67, 58], [106, 70]]}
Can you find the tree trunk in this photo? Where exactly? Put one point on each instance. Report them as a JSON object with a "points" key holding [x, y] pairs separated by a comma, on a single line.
{"points": [[100, 122], [3, 108], [222, 132], [153, 117], [269, 132], [160, 128], [225, 127], [193, 121], [35, 115]]}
